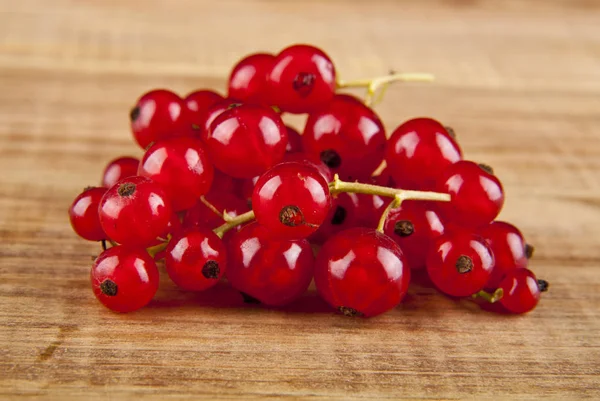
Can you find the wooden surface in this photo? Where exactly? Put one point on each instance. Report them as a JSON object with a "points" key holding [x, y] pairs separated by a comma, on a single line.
{"points": [[520, 83]]}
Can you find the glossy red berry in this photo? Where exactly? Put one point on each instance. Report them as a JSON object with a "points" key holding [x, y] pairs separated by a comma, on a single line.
{"points": [[313, 161], [246, 141], [248, 79], [269, 269], [459, 263], [418, 152], [135, 211], [213, 112], [225, 183], [118, 169], [124, 278], [521, 290], [370, 208], [294, 144], [201, 216], [508, 246], [414, 227], [291, 200], [361, 272], [181, 166], [302, 79], [198, 104], [347, 136], [343, 214], [196, 259], [159, 114], [476, 195], [83, 214]]}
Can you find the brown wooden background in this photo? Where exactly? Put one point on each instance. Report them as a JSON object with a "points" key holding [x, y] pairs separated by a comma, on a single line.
{"points": [[518, 80]]}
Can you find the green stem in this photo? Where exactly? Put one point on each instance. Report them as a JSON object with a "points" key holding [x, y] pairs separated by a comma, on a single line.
{"points": [[236, 221], [491, 298], [393, 205], [338, 186]]}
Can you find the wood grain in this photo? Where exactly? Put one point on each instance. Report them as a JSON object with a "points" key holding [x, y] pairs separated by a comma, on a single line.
{"points": [[518, 80]]}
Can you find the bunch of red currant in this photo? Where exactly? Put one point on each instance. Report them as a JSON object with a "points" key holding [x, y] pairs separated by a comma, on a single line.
{"points": [[208, 158]]}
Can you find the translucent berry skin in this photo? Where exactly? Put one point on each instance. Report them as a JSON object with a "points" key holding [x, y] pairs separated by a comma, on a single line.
{"points": [[476, 196], [248, 79], [200, 215], [418, 152], [361, 272], [225, 183], [246, 141], [198, 104], [302, 79], [414, 227], [118, 169], [157, 115], [311, 160], [84, 216], [347, 136], [370, 208], [181, 166], [196, 259], [274, 271], [135, 211], [213, 112], [291, 200], [124, 278], [294, 144], [508, 246], [459, 263], [521, 291], [344, 214]]}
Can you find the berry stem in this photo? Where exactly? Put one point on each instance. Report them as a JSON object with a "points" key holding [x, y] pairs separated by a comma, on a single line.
{"points": [[338, 186], [491, 298], [233, 222], [373, 84], [393, 205]]}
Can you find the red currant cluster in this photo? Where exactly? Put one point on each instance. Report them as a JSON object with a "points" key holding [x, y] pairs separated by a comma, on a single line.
{"points": [[207, 158]]}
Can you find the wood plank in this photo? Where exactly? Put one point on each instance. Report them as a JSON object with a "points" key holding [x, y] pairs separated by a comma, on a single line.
{"points": [[518, 80]]}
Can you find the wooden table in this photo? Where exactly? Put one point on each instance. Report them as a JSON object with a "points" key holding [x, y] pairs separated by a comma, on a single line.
{"points": [[520, 83]]}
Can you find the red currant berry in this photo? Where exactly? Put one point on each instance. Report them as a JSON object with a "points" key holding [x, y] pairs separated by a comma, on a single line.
{"points": [[248, 80], [370, 208], [521, 290], [181, 167], [302, 79], [313, 161], [294, 144], [135, 211], [384, 179], [414, 227], [159, 114], [271, 270], [246, 141], [196, 260], [476, 195], [291, 199], [508, 246], [459, 263], [213, 112], [83, 214], [418, 152], [248, 188], [225, 183], [198, 103], [201, 216], [118, 169], [342, 216], [124, 278], [361, 272], [347, 136], [173, 228]]}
